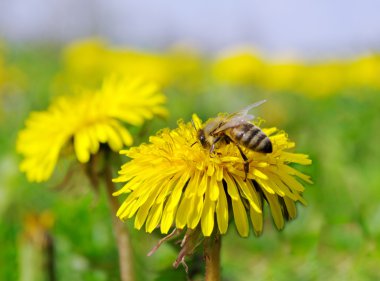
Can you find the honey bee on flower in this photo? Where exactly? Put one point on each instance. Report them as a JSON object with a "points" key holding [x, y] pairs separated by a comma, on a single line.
{"points": [[237, 129]]}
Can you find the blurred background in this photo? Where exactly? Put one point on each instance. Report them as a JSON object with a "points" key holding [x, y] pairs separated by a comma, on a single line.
{"points": [[300, 28], [318, 65]]}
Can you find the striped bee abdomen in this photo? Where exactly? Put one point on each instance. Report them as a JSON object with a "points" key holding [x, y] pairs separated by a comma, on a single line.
{"points": [[251, 137]]}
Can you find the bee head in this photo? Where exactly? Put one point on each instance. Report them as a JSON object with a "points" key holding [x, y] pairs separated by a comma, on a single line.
{"points": [[202, 137]]}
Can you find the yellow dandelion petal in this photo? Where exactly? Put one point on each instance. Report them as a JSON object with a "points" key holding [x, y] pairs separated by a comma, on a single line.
{"points": [[266, 186], [193, 184], [173, 181], [258, 174], [177, 190], [125, 135], [81, 146], [143, 212], [240, 217], [195, 212], [123, 210], [213, 189], [154, 217], [167, 217], [290, 181], [182, 213], [294, 172], [129, 187], [166, 188], [169, 210], [94, 142], [295, 158], [249, 193], [275, 208], [231, 187], [202, 185], [290, 207], [101, 132], [257, 221], [219, 173], [207, 221], [285, 190], [222, 210], [113, 138]]}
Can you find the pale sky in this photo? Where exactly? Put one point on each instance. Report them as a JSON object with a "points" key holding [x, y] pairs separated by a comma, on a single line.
{"points": [[301, 27]]}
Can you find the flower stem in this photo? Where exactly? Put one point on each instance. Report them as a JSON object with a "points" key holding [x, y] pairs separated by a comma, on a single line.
{"points": [[212, 257], [121, 233]]}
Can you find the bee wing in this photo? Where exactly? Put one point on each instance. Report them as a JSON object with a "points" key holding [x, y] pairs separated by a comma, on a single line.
{"points": [[243, 114], [213, 124], [238, 118], [233, 122], [245, 110]]}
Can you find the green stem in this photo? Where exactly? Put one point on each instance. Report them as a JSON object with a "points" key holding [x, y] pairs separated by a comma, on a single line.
{"points": [[121, 233], [212, 257]]}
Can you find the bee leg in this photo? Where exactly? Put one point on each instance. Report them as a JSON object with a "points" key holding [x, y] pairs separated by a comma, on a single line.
{"points": [[246, 162], [213, 144]]}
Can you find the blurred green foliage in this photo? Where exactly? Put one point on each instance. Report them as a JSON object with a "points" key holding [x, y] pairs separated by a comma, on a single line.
{"points": [[334, 238]]}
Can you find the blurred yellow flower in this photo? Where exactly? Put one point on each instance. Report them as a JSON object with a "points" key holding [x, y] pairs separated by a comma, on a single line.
{"points": [[239, 67], [85, 121], [174, 182], [364, 72], [282, 76], [2, 71], [87, 62], [246, 67]]}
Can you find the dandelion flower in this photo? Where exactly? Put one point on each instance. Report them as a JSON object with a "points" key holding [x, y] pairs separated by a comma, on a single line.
{"points": [[87, 62], [239, 67], [247, 67], [85, 121], [174, 182]]}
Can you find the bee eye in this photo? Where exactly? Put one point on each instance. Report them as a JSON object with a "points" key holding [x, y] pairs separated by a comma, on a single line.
{"points": [[202, 137]]}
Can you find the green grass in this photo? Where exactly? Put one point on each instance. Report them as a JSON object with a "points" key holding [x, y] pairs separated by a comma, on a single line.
{"points": [[334, 238]]}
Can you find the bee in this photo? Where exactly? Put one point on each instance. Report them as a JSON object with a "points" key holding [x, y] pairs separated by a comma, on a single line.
{"points": [[237, 129]]}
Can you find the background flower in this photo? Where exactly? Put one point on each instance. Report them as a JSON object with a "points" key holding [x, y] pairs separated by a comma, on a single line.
{"points": [[313, 78], [86, 121], [87, 62]]}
